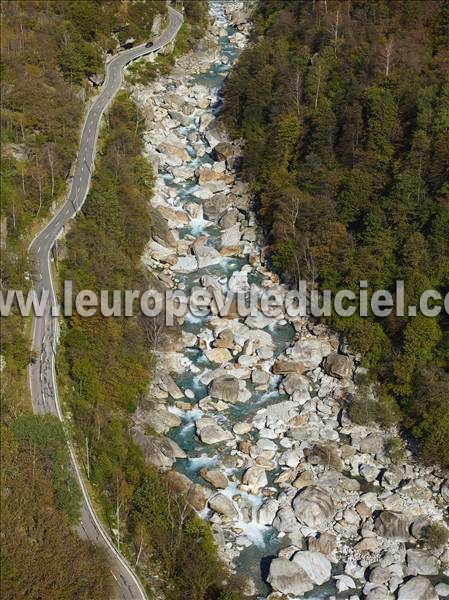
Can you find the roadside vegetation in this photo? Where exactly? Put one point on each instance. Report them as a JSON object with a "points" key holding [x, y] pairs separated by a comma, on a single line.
{"points": [[344, 109], [41, 556], [192, 30], [166, 532], [49, 49]]}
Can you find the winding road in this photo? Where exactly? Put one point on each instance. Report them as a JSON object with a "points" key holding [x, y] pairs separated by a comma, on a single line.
{"points": [[42, 373]]}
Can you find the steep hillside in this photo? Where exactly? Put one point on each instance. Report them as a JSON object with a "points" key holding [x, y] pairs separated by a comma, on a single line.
{"points": [[344, 108], [49, 50], [48, 53]]}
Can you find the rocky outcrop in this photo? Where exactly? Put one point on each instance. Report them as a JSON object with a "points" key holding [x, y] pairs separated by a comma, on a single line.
{"points": [[420, 562], [254, 479], [159, 419], [210, 432], [192, 493], [338, 365], [311, 351], [393, 525], [223, 151], [314, 507], [224, 506], [207, 256], [215, 477], [315, 565], [96, 79], [285, 520], [159, 452], [267, 511], [226, 387], [288, 578], [300, 574], [230, 238], [294, 383], [174, 154], [418, 588]]}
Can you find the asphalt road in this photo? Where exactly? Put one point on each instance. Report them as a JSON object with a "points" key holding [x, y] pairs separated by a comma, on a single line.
{"points": [[42, 374]]}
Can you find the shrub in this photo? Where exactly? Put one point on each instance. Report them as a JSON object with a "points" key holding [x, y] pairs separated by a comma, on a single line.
{"points": [[183, 543], [366, 408], [436, 536], [396, 449]]}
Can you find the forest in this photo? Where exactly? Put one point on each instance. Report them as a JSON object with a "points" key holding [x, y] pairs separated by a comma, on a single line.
{"points": [[344, 109], [48, 51], [41, 555]]}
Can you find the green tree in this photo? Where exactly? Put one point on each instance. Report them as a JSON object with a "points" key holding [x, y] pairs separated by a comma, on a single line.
{"points": [[381, 122], [421, 336]]}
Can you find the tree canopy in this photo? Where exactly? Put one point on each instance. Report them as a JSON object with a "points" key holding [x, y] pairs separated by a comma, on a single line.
{"points": [[344, 110]]}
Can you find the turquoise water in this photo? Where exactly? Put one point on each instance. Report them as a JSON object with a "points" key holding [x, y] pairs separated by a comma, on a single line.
{"points": [[254, 559]]}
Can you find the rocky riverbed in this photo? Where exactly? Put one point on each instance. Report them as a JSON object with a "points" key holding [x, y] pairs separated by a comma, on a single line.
{"points": [[248, 415]]}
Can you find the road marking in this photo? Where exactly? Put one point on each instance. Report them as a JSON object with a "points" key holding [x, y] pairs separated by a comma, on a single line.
{"points": [[112, 573]]}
